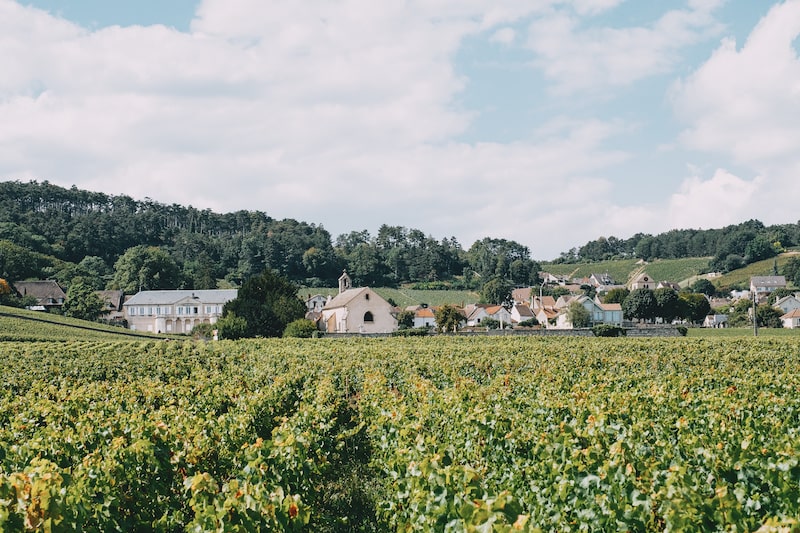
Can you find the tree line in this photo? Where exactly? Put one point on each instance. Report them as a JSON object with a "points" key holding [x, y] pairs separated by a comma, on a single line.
{"points": [[729, 248], [106, 241]]}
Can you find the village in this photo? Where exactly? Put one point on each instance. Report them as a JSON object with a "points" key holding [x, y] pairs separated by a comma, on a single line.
{"points": [[361, 310]]}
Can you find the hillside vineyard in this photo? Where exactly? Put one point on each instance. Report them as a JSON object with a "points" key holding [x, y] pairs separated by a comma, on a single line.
{"points": [[429, 434]]}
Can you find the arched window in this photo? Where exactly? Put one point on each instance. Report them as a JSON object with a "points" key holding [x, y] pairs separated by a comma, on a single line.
{"points": [[368, 317]]}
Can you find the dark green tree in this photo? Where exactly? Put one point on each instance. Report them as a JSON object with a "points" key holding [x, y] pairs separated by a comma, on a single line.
{"points": [[694, 306], [640, 305], [268, 303], [497, 291], [668, 304], [704, 286], [82, 302], [146, 268], [616, 296], [768, 316]]}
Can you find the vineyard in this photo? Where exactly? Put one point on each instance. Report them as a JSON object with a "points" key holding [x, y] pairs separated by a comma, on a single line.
{"points": [[416, 434]]}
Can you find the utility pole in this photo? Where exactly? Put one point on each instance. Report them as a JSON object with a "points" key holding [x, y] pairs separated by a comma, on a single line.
{"points": [[755, 315]]}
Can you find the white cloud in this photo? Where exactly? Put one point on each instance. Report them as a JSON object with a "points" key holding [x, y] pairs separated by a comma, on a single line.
{"points": [[721, 200], [746, 103], [576, 57], [503, 35]]}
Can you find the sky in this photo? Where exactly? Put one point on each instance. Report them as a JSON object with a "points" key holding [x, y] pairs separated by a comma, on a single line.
{"points": [[547, 122]]}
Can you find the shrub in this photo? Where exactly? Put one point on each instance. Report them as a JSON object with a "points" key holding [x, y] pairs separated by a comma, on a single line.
{"points": [[683, 330], [411, 332], [608, 330], [302, 328]]}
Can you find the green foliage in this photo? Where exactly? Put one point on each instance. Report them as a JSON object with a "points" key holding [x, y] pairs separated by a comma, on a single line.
{"points": [[232, 327], [694, 306], [428, 434], [490, 323], [204, 331], [531, 322], [448, 318], [301, 328], [608, 330], [82, 302], [667, 304], [578, 315], [704, 286], [683, 330], [146, 268], [411, 332], [768, 316], [405, 319], [640, 304], [497, 291], [268, 303]]}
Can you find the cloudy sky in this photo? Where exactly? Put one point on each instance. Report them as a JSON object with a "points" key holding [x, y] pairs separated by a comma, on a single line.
{"points": [[550, 122]]}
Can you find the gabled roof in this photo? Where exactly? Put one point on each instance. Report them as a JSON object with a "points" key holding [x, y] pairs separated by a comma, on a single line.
{"points": [[41, 290], [112, 299], [166, 297], [768, 281], [786, 299], [611, 307], [344, 298], [424, 312], [795, 313], [523, 310]]}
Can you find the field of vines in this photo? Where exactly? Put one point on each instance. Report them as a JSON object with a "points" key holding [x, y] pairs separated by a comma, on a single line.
{"points": [[401, 434]]}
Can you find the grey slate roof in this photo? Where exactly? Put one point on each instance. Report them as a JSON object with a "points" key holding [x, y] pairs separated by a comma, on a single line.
{"points": [[213, 296]]}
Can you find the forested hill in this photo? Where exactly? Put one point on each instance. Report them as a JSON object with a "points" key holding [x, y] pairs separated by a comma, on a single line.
{"points": [[730, 248], [47, 231]]}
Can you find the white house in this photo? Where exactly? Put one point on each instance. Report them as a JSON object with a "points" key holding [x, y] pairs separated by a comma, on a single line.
{"points": [[716, 321], [788, 304], [763, 285], [791, 319], [521, 313], [175, 311], [424, 318], [357, 311], [599, 313]]}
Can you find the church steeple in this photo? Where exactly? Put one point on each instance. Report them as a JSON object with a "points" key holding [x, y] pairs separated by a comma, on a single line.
{"points": [[345, 282]]}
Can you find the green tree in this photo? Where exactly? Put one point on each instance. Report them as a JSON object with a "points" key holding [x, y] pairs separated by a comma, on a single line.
{"points": [[640, 305], [82, 302], [578, 315], [405, 319], [616, 296], [791, 270], [231, 327], [146, 268], [496, 291], [268, 303], [301, 328], [694, 306], [448, 318], [768, 316], [668, 304], [704, 286]]}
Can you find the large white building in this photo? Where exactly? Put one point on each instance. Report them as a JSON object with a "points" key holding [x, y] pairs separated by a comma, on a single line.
{"points": [[176, 311]]}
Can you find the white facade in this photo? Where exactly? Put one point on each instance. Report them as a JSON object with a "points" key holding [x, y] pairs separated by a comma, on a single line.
{"points": [[358, 311], [177, 311]]}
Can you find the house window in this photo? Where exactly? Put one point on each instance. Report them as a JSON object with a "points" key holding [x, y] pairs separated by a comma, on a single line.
{"points": [[194, 310], [366, 296], [132, 311], [368, 317]]}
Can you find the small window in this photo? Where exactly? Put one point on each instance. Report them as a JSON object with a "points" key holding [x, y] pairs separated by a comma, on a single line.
{"points": [[366, 296], [368, 317]]}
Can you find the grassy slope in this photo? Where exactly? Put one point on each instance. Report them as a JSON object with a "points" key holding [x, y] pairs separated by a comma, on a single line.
{"points": [[21, 325], [674, 270], [742, 276]]}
